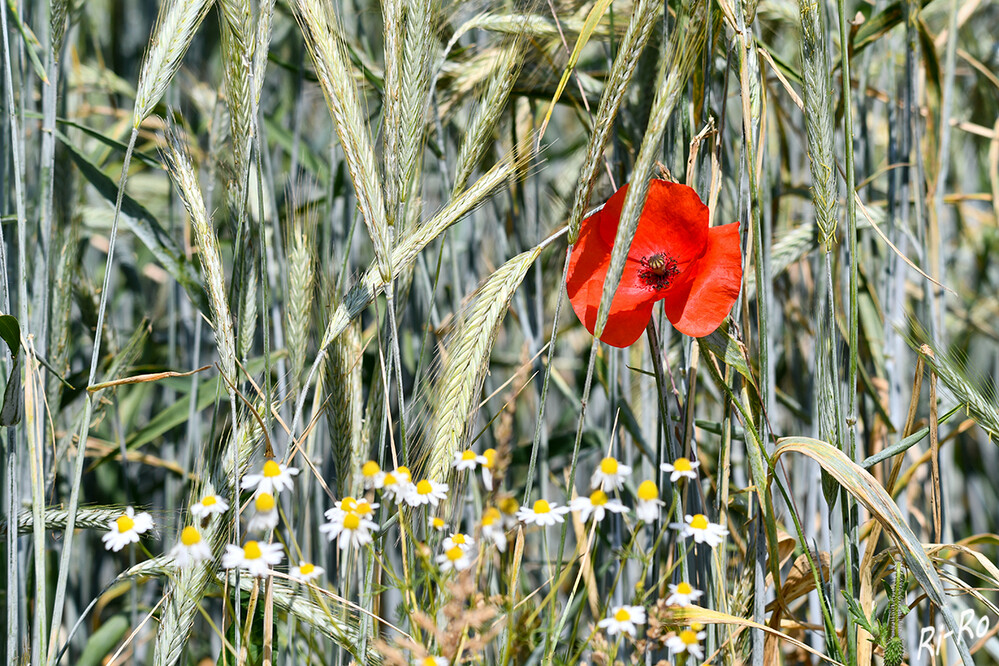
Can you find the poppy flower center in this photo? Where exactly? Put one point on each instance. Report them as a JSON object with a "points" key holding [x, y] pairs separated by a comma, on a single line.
{"points": [[658, 271]]}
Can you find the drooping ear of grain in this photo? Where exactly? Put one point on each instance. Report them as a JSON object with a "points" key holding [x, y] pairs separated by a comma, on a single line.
{"points": [[175, 27], [344, 409], [467, 362], [336, 78], [643, 18], [678, 59], [479, 130], [817, 98], [212, 271]]}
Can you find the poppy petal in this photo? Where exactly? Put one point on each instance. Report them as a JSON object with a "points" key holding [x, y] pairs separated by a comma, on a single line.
{"points": [[674, 222], [698, 308], [632, 305]]}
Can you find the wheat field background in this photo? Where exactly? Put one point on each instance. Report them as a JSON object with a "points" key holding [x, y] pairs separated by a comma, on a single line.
{"points": [[322, 233]]}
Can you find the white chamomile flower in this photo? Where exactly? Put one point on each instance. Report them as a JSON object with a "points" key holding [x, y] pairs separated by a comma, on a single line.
{"points": [[208, 505], [433, 661], [488, 467], [458, 539], [126, 528], [455, 559], [510, 508], [306, 572], [266, 513], [542, 513], [688, 641], [609, 475], [649, 504], [467, 460], [623, 619], [191, 548], [273, 478], [436, 523], [492, 528], [426, 492], [681, 467], [682, 594], [396, 484], [702, 529], [372, 475], [350, 529], [257, 558], [597, 505], [348, 504]]}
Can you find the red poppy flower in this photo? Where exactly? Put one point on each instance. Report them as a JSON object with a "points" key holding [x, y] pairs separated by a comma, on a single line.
{"points": [[675, 257]]}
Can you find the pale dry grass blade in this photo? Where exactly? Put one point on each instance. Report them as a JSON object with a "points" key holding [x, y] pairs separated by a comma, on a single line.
{"points": [[467, 362], [866, 490], [322, 37]]}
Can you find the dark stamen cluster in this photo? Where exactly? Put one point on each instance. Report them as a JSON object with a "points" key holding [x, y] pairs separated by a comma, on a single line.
{"points": [[658, 271]]}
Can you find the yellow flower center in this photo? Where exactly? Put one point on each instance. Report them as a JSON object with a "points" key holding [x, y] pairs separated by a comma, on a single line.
{"points": [[490, 456], [509, 506], [699, 522], [460, 539], [696, 626], [491, 516], [688, 637], [190, 536], [389, 479], [647, 491], [684, 588], [622, 615], [362, 508], [608, 466], [370, 468], [542, 506], [251, 551], [598, 498], [437, 523], [429, 661], [271, 469], [468, 455], [455, 554], [209, 500], [404, 473], [348, 503], [125, 524], [307, 568], [265, 502], [424, 487], [682, 465], [351, 521]]}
